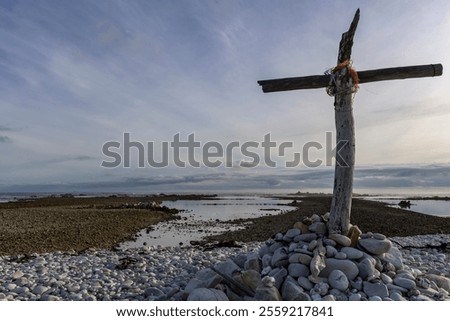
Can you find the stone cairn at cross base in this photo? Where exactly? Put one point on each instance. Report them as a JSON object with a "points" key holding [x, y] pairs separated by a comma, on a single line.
{"points": [[306, 263]]}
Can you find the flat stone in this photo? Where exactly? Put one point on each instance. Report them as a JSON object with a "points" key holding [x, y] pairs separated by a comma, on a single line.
{"points": [[379, 236], [291, 291], [40, 289], [375, 289], [297, 269], [293, 232], [352, 253], [21, 289], [421, 297], [441, 281], [375, 246], [228, 267], [305, 283], [329, 242], [338, 280], [307, 237], [205, 278], [304, 258], [405, 283], [204, 294], [392, 287], [340, 256], [396, 296], [346, 266], [340, 239]]}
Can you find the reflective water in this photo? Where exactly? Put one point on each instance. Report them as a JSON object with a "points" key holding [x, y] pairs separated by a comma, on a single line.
{"points": [[430, 207], [200, 218]]}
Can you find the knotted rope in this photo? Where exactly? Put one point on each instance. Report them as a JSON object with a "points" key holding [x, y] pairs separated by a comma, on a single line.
{"points": [[331, 89]]}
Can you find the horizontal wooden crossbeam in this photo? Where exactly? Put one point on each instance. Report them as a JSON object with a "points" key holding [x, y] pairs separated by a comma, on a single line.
{"points": [[321, 81]]}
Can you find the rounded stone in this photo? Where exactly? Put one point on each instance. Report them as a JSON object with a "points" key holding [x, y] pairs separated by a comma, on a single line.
{"points": [[293, 232], [338, 280], [296, 270], [340, 239], [352, 253], [355, 297], [331, 251], [375, 289], [405, 283], [308, 237], [346, 266]]}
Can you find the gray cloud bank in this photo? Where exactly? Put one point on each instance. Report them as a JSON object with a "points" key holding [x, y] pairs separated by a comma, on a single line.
{"points": [[419, 177]]}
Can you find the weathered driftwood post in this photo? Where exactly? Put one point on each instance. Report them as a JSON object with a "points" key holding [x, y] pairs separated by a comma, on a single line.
{"points": [[341, 203], [341, 83]]}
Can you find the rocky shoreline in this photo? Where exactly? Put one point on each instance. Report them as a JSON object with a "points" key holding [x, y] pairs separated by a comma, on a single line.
{"points": [[288, 257], [180, 273]]}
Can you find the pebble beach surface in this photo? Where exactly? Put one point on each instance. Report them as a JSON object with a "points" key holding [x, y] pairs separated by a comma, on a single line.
{"points": [[64, 253], [153, 273]]}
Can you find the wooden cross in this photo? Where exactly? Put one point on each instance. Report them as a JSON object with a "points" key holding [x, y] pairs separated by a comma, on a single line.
{"points": [[341, 84]]}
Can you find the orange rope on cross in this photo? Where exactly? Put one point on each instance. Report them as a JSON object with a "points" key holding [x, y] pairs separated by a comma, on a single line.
{"points": [[351, 71]]}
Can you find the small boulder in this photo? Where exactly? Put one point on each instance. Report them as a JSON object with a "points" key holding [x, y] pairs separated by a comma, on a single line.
{"points": [[338, 280], [375, 246]]}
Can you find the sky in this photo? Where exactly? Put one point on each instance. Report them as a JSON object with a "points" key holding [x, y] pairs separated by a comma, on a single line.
{"points": [[75, 75]]}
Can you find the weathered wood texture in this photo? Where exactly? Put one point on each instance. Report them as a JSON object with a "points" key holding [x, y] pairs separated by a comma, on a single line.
{"points": [[321, 81], [341, 203]]}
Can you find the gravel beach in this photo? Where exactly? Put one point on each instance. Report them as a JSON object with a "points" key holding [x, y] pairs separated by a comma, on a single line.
{"points": [[70, 269]]}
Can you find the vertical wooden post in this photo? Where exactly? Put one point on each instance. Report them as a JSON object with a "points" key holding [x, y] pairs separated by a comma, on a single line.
{"points": [[345, 138]]}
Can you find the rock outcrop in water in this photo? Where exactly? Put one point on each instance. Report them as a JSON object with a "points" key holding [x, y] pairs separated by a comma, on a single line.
{"points": [[306, 263]]}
